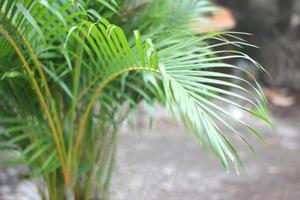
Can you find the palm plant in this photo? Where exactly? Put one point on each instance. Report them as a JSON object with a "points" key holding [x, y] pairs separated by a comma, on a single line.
{"points": [[70, 78]]}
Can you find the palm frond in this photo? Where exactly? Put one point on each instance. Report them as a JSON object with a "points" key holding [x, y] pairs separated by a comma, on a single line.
{"points": [[69, 78], [192, 86]]}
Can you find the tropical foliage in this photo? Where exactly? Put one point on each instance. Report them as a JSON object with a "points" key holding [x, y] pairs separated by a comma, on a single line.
{"points": [[71, 72]]}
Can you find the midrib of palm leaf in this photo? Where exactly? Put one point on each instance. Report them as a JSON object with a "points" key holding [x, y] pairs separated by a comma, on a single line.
{"points": [[118, 47], [57, 135]]}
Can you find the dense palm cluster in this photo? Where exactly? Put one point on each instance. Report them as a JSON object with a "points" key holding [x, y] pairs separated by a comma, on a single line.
{"points": [[71, 72]]}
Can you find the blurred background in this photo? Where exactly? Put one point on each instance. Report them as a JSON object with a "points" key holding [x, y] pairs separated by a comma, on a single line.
{"points": [[166, 162]]}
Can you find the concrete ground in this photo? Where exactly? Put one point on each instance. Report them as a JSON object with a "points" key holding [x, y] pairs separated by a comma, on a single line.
{"points": [[167, 163]]}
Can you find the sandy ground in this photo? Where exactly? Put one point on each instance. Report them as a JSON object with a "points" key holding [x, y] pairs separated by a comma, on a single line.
{"points": [[167, 163]]}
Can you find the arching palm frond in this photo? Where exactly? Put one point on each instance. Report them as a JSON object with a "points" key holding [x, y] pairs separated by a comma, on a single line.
{"points": [[192, 86]]}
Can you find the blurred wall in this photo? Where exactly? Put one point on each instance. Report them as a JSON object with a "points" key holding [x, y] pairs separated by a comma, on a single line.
{"points": [[276, 28]]}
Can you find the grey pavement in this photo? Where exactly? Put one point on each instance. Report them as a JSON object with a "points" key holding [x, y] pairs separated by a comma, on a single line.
{"points": [[167, 163]]}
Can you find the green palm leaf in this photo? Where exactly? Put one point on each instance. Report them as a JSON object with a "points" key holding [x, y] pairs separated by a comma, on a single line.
{"points": [[69, 79]]}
